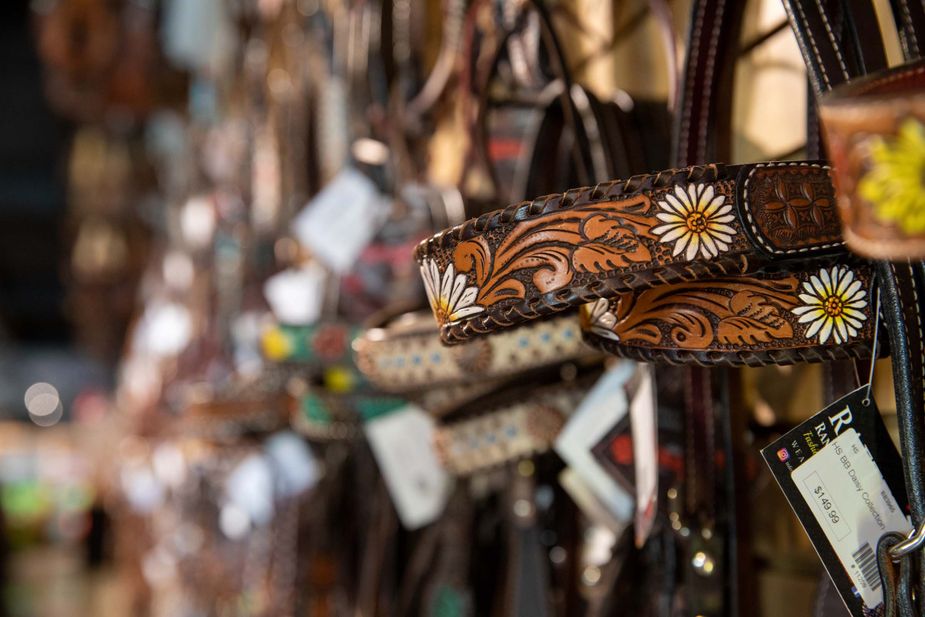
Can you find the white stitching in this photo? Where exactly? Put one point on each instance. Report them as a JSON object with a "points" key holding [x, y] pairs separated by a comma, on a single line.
{"points": [[828, 29], [753, 225], [918, 319], [812, 42], [689, 87], [711, 62], [910, 29]]}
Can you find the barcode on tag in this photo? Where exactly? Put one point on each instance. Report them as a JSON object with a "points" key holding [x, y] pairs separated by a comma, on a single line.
{"points": [[866, 561]]}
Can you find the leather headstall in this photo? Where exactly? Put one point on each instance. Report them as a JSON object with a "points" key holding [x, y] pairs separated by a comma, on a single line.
{"points": [[715, 257]]}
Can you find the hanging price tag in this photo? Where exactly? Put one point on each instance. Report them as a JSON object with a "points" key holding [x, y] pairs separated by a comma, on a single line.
{"points": [[296, 295], [339, 222], [604, 407], [403, 444], [842, 475]]}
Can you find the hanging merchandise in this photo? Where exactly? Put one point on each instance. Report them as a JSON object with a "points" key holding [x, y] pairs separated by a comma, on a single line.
{"points": [[501, 308]]}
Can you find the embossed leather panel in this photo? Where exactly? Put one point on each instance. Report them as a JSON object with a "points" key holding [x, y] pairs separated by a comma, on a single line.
{"points": [[560, 251], [802, 316]]}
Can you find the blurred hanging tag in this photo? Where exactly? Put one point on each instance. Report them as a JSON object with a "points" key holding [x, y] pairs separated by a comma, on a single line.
{"points": [[141, 487], [249, 488], [199, 36], [296, 468], [602, 409], [166, 328], [590, 505], [843, 477], [403, 444], [296, 295], [645, 451], [341, 220]]}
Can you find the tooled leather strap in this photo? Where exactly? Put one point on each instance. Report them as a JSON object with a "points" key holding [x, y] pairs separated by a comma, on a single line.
{"points": [[407, 355], [875, 132], [782, 318], [557, 252]]}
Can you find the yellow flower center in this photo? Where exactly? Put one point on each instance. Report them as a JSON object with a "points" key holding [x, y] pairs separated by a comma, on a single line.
{"points": [[443, 309], [697, 222], [833, 306]]}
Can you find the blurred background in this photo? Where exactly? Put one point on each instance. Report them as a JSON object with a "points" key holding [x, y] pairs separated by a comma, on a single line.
{"points": [[159, 164]]}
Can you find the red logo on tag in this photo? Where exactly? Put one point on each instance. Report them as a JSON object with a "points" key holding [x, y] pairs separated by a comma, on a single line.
{"points": [[783, 455]]}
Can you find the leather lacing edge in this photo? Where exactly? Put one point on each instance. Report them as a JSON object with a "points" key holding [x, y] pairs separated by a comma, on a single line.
{"points": [[572, 198], [779, 357]]}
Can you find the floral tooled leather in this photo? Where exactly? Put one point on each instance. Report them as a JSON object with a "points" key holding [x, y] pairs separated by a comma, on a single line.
{"points": [[557, 252], [875, 136], [822, 313]]}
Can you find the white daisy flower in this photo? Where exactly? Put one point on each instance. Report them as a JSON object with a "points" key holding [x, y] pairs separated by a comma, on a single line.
{"points": [[833, 300], [696, 220], [449, 297], [600, 320]]}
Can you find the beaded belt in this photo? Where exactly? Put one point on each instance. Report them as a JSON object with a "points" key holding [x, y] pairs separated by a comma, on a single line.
{"points": [[508, 428], [407, 355]]}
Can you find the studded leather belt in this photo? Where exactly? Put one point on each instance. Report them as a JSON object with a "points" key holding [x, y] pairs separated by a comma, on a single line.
{"points": [[558, 252]]}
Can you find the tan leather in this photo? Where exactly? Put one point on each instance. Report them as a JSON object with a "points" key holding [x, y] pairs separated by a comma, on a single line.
{"points": [[875, 134]]}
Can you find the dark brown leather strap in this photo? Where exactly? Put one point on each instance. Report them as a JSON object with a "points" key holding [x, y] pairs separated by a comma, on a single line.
{"points": [[910, 22], [557, 252]]}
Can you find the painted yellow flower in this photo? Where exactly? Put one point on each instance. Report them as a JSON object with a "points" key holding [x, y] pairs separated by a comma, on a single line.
{"points": [[696, 220], [833, 300], [449, 297], [276, 345], [895, 184]]}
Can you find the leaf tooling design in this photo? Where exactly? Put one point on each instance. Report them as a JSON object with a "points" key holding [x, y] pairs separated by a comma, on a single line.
{"points": [[698, 315], [549, 250]]}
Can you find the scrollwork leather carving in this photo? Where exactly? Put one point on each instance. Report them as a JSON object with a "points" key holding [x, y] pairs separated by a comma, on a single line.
{"points": [[810, 315], [558, 252]]}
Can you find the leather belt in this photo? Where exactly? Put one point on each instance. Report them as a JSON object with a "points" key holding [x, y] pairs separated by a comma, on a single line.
{"points": [[811, 315], [875, 132], [557, 252], [407, 356], [509, 431]]}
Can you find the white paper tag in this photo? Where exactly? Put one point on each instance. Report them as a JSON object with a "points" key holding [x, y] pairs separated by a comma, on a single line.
{"points": [[645, 454], [296, 468], [296, 295], [339, 222], [854, 506], [403, 444], [603, 407], [249, 488]]}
